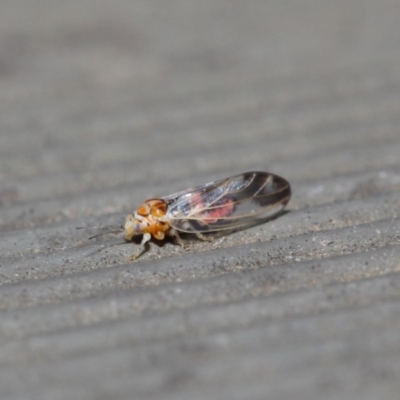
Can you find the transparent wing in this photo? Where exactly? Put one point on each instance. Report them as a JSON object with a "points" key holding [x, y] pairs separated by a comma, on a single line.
{"points": [[229, 203]]}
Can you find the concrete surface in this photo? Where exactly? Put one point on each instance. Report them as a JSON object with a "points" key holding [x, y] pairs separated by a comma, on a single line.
{"points": [[104, 104]]}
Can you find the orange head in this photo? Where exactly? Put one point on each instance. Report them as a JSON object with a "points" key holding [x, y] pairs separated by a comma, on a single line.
{"points": [[146, 219]]}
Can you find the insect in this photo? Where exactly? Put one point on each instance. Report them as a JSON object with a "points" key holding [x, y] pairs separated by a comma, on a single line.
{"points": [[239, 201]]}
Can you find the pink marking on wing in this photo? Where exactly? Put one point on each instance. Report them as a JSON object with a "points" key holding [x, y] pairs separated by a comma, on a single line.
{"points": [[218, 213]]}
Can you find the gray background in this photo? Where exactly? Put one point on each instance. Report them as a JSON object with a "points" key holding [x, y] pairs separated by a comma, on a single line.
{"points": [[106, 103]]}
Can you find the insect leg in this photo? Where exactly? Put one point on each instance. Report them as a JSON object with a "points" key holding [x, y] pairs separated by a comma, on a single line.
{"points": [[146, 247], [146, 238], [202, 237], [174, 233]]}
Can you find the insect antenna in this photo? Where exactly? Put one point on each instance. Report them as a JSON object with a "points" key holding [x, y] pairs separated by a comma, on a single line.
{"points": [[104, 233], [104, 248], [114, 229]]}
